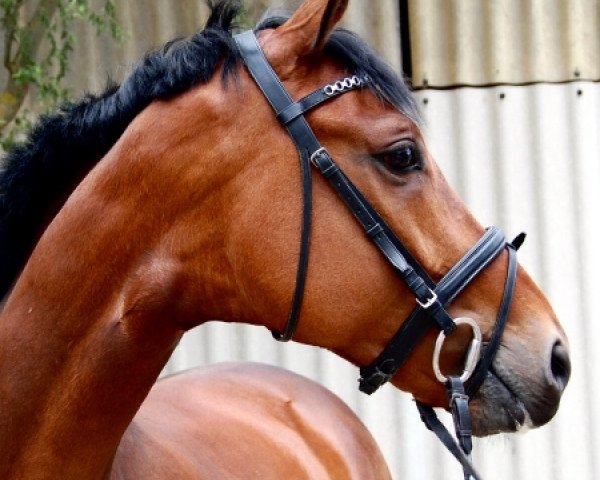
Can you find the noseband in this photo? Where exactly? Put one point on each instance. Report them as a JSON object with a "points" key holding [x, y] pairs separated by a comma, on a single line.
{"points": [[431, 298]]}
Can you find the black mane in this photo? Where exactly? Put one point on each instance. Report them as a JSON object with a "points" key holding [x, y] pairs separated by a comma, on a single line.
{"points": [[37, 176]]}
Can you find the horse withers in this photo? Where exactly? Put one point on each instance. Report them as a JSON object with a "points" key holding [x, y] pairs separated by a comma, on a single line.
{"points": [[189, 206]]}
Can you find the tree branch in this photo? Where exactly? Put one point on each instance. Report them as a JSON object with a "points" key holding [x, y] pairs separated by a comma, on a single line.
{"points": [[36, 30]]}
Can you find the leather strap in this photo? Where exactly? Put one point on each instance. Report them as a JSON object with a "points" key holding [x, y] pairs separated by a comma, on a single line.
{"points": [[314, 99], [433, 423], [432, 299], [459, 406], [306, 143], [400, 347], [485, 363], [376, 228], [290, 114]]}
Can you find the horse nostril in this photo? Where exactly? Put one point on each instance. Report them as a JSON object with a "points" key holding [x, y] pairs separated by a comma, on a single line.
{"points": [[560, 365]]}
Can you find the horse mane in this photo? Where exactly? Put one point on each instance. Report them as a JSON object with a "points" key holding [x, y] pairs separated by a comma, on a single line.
{"points": [[38, 175]]}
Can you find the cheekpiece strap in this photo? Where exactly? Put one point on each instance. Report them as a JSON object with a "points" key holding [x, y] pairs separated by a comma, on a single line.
{"points": [[291, 116], [306, 143], [381, 234]]}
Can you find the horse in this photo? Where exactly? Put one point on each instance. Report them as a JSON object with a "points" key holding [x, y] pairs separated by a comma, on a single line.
{"points": [[128, 218], [213, 421]]}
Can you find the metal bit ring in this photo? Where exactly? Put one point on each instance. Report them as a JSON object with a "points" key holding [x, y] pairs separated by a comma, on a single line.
{"points": [[472, 353]]}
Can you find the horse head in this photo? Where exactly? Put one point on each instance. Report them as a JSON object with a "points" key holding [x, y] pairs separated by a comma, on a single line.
{"points": [[354, 302]]}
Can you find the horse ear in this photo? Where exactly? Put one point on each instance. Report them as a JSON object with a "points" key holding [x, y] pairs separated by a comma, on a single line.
{"points": [[308, 29]]}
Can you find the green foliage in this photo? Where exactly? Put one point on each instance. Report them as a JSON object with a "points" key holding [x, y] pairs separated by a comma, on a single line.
{"points": [[251, 13], [39, 41]]}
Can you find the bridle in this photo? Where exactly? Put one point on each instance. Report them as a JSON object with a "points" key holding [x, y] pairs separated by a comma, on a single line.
{"points": [[431, 298]]}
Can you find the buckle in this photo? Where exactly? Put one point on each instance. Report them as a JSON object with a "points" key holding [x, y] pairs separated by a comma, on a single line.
{"points": [[430, 301], [315, 154]]}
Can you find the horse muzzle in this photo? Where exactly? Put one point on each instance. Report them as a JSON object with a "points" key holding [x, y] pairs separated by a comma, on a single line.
{"points": [[521, 392]]}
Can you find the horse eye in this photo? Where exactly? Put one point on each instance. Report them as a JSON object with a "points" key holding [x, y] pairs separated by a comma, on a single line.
{"points": [[403, 159]]}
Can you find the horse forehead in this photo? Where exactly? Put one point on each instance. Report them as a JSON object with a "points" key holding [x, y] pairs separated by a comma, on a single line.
{"points": [[355, 110], [361, 118]]}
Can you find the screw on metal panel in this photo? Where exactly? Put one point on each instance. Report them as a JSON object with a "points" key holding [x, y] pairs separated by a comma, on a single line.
{"points": [[579, 92], [425, 101], [577, 73], [502, 95]]}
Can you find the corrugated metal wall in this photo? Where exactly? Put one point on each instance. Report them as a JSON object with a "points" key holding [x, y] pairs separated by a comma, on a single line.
{"points": [[479, 42], [148, 27], [522, 157], [528, 158]]}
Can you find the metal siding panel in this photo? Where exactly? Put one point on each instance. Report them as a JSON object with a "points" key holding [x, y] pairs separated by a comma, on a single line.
{"points": [[378, 23], [586, 147], [475, 42], [97, 59]]}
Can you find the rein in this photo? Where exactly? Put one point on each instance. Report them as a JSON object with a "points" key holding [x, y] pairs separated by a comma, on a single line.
{"points": [[432, 299]]}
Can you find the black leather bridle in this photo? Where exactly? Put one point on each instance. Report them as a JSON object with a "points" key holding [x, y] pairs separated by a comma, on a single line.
{"points": [[431, 298]]}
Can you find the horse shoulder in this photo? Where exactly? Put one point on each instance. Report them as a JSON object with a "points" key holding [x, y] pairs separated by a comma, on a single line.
{"points": [[242, 421]]}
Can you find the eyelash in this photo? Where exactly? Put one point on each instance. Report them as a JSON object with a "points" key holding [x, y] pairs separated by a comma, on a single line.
{"points": [[403, 159]]}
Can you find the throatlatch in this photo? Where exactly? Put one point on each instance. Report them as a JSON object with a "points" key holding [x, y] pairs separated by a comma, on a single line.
{"points": [[431, 299]]}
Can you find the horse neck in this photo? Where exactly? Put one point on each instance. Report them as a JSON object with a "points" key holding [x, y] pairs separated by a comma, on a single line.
{"points": [[98, 310]]}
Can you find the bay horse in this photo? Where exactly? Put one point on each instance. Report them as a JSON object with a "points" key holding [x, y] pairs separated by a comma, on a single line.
{"points": [[246, 420], [174, 199]]}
